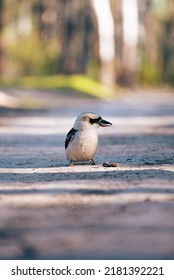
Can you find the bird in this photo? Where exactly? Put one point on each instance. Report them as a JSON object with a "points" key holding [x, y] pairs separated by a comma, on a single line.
{"points": [[82, 140]]}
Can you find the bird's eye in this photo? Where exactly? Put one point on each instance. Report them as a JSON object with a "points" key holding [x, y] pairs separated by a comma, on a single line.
{"points": [[92, 121]]}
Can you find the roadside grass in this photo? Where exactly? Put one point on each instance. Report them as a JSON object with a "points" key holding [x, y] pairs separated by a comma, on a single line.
{"points": [[78, 83]]}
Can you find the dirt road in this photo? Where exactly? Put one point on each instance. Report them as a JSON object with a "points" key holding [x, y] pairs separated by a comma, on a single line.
{"points": [[49, 210]]}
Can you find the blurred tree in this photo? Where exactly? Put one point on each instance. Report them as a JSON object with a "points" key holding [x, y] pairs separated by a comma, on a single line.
{"points": [[24, 21], [130, 28], [37, 10], [1, 28], [168, 52], [167, 45], [107, 39], [45, 17], [106, 32], [116, 7], [150, 65], [74, 29]]}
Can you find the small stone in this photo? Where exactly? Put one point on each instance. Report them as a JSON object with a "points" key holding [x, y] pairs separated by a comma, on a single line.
{"points": [[110, 164]]}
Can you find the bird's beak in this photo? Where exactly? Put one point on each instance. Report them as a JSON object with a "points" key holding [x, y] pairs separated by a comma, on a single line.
{"points": [[103, 122]]}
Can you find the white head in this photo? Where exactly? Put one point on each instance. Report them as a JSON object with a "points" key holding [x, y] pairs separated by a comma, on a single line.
{"points": [[89, 120]]}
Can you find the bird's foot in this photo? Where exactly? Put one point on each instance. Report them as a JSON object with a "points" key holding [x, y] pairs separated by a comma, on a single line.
{"points": [[92, 162], [70, 164]]}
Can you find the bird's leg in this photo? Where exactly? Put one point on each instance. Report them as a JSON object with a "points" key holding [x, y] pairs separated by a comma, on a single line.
{"points": [[93, 163], [70, 163]]}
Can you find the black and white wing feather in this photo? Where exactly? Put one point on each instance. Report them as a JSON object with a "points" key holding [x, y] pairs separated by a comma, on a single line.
{"points": [[70, 137]]}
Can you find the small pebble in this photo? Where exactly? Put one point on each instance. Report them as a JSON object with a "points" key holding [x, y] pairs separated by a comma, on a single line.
{"points": [[110, 164]]}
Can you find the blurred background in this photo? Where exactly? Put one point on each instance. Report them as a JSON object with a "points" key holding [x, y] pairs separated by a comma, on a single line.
{"points": [[114, 42]]}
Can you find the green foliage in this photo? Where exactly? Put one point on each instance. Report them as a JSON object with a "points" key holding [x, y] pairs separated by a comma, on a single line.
{"points": [[149, 73], [93, 69], [78, 83], [74, 82], [30, 56]]}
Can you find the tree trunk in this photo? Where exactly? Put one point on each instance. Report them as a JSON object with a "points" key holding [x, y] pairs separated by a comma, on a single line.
{"points": [[1, 48], [106, 31], [130, 39], [74, 29]]}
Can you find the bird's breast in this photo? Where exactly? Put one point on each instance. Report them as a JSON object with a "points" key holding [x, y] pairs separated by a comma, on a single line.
{"points": [[83, 147]]}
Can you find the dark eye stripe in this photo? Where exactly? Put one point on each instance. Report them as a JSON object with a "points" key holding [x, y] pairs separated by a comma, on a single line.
{"points": [[92, 121]]}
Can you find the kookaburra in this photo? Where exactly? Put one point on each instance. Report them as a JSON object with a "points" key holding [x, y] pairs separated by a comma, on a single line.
{"points": [[82, 140]]}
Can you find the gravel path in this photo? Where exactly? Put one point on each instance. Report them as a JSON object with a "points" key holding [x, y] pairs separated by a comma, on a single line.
{"points": [[49, 210]]}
